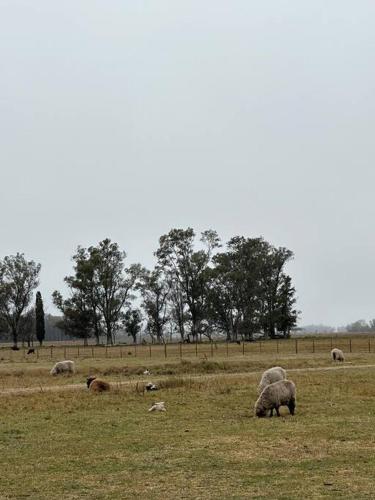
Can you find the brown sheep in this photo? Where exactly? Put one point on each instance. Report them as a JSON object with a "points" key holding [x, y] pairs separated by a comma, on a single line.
{"points": [[96, 385]]}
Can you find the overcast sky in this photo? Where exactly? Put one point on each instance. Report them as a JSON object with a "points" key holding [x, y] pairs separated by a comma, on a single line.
{"points": [[123, 119]]}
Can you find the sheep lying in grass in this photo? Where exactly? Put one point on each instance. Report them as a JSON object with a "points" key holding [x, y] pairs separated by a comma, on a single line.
{"points": [[158, 407], [337, 355], [63, 367], [281, 393], [271, 375], [96, 385], [151, 387]]}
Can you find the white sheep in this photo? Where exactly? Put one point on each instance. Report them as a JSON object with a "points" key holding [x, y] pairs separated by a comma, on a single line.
{"points": [[337, 355], [63, 367], [281, 393], [271, 375], [158, 407]]}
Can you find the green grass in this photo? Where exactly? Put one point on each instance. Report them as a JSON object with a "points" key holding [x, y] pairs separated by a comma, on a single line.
{"points": [[207, 445]]}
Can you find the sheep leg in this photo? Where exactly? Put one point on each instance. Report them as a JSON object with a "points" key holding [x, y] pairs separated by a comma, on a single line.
{"points": [[291, 406], [277, 411]]}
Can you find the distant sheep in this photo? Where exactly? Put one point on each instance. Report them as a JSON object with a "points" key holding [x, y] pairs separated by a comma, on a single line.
{"points": [[281, 393], [97, 385], [151, 387], [31, 351], [63, 367], [147, 372], [337, 355], [158, 407], [270, 376]]}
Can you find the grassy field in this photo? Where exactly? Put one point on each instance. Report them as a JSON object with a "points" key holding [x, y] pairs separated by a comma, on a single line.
{"points": [[207, 445]]}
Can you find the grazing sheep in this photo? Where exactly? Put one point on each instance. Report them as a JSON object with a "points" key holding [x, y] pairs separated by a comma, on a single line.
{"points": [[151, 387], [97, 385], [158, 407], [281, 393], [337, 355], [63, 367], [270, 376]]}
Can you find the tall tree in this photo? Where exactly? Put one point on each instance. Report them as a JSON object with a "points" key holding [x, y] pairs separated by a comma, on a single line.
{"points": [[132, 323], [40, 329], [100, 289], [155, 291], [18, 279], [189, 269]]}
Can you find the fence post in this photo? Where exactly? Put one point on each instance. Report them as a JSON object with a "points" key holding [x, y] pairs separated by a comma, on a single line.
{"points": [[243, 348], [260, 346], [196, 347], [37, 354], [106, 351], [92, 351], [165, 350], [296, 346], [313, 345], [369, 345], [51, 351], [180, 349], [64, 352], [150, 350], [227, 349], [135, 350], [350, 345], [78, 351]]}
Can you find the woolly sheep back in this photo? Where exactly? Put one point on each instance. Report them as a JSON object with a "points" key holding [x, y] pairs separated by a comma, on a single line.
{"points": [[270, 376], [66, 366], [96, 385]]}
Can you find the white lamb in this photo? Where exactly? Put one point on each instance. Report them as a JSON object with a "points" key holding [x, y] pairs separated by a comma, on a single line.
{"points": [[158, 407], [270, 376], [63, 367]]}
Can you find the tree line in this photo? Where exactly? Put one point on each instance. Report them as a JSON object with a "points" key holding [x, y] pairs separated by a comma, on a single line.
{"points": [[196, 289]]}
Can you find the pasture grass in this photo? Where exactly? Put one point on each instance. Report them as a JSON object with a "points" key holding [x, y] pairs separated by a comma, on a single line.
{"points": [[36, 374], [207, 445]]}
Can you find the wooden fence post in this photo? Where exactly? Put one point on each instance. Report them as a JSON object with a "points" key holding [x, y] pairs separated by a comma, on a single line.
{"points": [[369, 345], [296, 346], [227, 349], [51, 351], [350, 345], [106, 351], [243, 348], [78, 351], [92, 351], [196, 347], [135, 350], [180, 349], [212, 349], [64, 352], [150, 350], [165, 350]]}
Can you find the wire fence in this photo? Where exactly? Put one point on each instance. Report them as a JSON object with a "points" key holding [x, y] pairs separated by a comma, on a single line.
{"points": [[203, 350]]}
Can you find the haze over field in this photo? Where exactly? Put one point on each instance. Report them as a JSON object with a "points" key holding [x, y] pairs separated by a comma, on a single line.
{"points": [[125, 119]]}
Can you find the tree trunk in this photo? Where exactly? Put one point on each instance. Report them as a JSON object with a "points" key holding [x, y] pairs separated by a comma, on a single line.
{"points": [[15, 337]]}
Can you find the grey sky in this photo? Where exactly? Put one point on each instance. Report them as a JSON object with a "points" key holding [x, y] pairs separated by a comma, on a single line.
{"points": [[123, 119]]}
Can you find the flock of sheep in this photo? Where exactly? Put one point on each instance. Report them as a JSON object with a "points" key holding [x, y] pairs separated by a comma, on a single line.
{"points": [[274, 389]]}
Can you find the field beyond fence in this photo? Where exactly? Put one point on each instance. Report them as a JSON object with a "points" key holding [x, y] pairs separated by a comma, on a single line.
{"points": [[205, 350]]}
